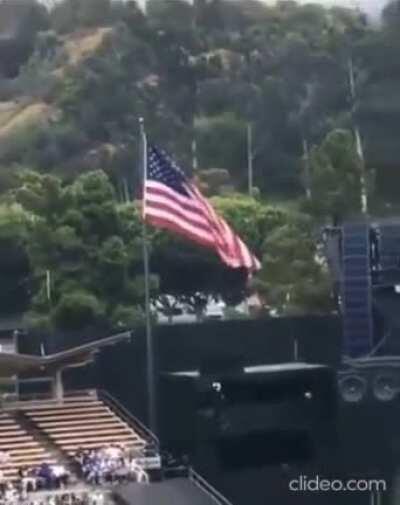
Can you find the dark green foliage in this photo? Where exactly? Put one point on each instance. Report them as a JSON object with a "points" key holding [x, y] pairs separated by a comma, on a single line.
{"points": [[77, 310], [336, 174], [195, 72], [217, 64], [222, 144], [294, 278], [68, 15], [82, 248], [19, 24]]}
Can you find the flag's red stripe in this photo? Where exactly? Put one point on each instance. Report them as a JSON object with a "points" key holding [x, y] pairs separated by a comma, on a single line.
{"points": [[186, 227], [170, 225], [194, 218], [155, 206], [156, 188]]}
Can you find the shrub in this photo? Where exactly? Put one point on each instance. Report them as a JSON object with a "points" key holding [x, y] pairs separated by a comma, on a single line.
{"points": [[77, 310]]}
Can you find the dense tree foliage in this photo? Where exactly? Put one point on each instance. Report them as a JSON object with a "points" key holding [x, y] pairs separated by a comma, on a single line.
{"points": [[75, 78], [204, 71], [82, 248]]}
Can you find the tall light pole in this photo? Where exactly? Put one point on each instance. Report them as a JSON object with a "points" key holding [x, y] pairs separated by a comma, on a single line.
{"points": [[307, 171], [250, 158], [48, 286], [359, 146], [195, 161]]}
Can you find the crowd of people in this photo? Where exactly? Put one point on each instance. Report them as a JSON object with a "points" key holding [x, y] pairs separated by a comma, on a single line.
{"points": [[65, 498], [42, 478], [110, 464], [96, 468]]}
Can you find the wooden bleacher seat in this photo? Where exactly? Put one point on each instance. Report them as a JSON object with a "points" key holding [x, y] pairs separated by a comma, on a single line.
{"points": [[77, 415], [11, 433], [72, 449], [14, 445], [86, 423], [77, 426], [60, 411], [101, 439], [75, 422], [87, 431], [23, 450], [63, 405]]}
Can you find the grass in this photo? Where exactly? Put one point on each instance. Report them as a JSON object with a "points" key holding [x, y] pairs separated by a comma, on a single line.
{"points": [[8, 110], [83, 44], [24, 117]]}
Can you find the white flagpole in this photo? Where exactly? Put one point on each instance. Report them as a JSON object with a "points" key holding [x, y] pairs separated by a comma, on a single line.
{"points": [[307, 172], [48, 285], [359, 147], [150, 378], [250, 158]]}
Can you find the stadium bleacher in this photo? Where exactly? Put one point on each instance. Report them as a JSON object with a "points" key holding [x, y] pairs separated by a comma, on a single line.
{"points": [[21, 449], [82, 423], [78, 422], [55, 432]]}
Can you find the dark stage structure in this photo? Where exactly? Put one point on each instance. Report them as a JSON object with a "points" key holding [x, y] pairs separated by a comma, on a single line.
{"points": [[178, 491], [256, 403], [361, 442]]}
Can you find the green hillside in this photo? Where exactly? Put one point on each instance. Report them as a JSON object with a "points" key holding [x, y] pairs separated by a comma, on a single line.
{"points": [[75, 78]]}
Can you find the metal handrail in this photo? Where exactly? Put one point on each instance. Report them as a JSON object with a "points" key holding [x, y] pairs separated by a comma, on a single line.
{"points": [[15, 400], [201, 482], [142, 429]]}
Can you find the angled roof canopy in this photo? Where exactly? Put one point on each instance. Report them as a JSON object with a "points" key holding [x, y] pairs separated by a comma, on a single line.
{"points": [[14, 364]]}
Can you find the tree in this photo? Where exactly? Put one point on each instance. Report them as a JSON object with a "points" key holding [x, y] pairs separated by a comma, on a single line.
{"points": [[336, 177], [89, 245], [14, 262], [20, 23], [294, 278], [175, 15], [391, 15], [193, 274], [68, 15], [222, 143], [125, 317], [168, 306], [77, 310], [251, 219]]}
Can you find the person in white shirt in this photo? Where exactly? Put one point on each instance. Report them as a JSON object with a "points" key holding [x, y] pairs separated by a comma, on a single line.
{"points": [[139, 472]]}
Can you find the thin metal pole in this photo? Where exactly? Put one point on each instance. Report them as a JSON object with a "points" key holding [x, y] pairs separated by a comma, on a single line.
{"points": [[250, 157], [307, 171], [48, 286], [295, 350], [150, 378], [144, 6], [195, 163], [359, 147], [371, 498]]}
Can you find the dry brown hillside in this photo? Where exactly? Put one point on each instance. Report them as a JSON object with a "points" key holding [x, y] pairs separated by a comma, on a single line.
{"points": [[78, 46], [15, 117]]}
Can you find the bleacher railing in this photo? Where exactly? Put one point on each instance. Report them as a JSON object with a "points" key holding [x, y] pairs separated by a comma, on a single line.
{"points": [[199, 481], [14, 400], [125, 414]]}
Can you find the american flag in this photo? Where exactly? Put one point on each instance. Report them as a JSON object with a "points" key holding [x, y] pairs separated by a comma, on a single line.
{"points": [[172, 202]]}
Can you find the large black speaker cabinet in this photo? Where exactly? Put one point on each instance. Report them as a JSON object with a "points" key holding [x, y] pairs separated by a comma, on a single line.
{"points": [[289, 402]]}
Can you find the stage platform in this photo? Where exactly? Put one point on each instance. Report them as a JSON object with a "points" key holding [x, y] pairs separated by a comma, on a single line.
{"points": [[179, 491]]}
